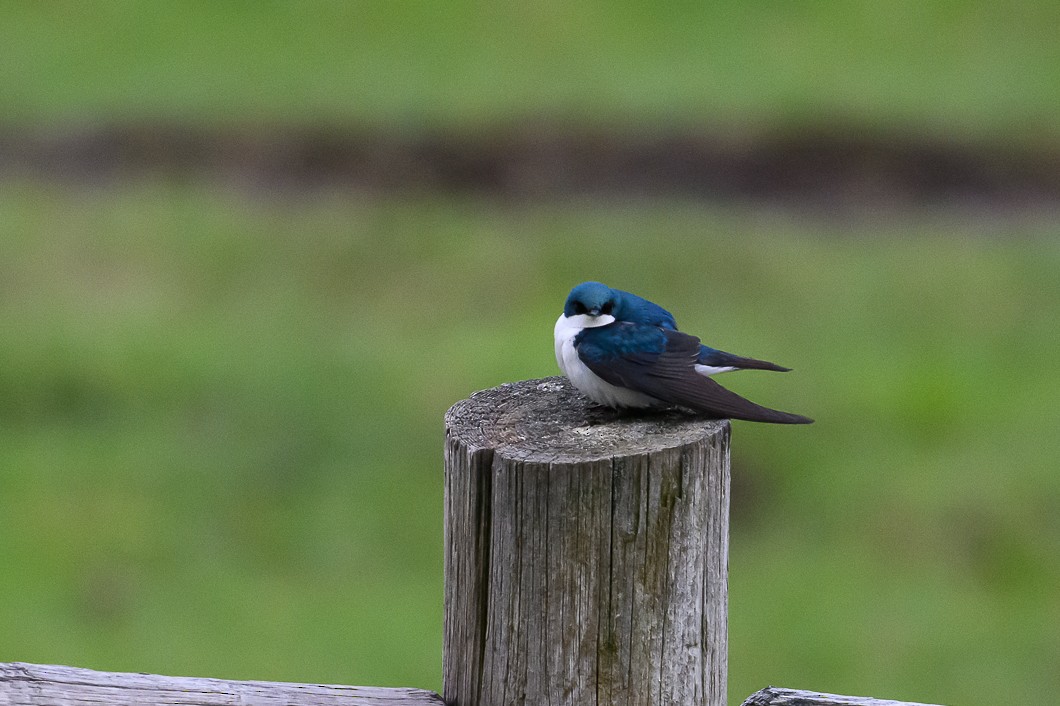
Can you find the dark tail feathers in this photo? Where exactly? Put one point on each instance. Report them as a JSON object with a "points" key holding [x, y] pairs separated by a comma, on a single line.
{"points": [[720, 359], [772, 416]]}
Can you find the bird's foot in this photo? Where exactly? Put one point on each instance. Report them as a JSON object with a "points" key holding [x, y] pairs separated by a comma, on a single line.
{"points": [[602, 414]]}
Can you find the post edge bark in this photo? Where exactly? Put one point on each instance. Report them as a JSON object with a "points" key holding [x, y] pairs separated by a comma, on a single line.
{"points": [[586, 553]]}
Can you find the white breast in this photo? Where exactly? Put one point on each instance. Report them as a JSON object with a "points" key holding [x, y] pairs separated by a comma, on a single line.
{"points": [[588, 382]]}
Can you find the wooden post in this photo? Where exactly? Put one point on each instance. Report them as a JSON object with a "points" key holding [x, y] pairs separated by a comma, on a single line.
{"points": [[586, 553]]}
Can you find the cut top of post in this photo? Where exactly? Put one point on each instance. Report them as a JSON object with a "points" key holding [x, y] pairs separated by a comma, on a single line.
{"points": [[548, 421]]}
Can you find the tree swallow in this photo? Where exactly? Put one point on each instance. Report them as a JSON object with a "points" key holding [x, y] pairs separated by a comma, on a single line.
{"points": [[622, 350]]}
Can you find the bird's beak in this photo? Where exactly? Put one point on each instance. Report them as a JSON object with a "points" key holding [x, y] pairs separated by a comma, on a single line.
{"points": [[594, 312]]}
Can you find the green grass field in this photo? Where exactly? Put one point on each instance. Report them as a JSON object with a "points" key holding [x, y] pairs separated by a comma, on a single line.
{"points": [[222, 429], [221, 412], [943, 67]]}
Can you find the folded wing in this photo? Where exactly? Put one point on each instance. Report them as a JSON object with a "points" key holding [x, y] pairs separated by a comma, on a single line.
{"points": [[661, 363]]}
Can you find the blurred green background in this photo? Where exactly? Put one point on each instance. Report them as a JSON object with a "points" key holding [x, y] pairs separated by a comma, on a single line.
{"points": [[221, 407]]}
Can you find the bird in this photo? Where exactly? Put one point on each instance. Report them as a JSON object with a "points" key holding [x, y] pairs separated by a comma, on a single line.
{"points": [[626, 352]]}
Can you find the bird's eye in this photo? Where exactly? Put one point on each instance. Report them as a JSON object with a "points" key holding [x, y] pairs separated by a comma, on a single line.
{"points": [[579, 308], [606, 308]]}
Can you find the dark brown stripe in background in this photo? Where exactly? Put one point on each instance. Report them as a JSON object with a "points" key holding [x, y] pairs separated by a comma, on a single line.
{"points": [[812, 168]]}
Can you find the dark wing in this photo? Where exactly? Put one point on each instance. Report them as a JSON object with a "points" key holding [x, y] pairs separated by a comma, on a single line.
{"points": [[661, 363]]}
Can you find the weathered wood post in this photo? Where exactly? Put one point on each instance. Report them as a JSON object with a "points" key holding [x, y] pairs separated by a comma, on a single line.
{"points": [[586, 554]]}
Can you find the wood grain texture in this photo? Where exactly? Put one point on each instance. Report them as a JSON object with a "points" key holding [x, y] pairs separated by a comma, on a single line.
{"points": [[24, 684], [776, 696], [586, 552]]}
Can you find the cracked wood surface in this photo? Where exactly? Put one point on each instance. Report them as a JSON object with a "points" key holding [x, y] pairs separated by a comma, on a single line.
{"points": [[23, 684], [586, 552]]}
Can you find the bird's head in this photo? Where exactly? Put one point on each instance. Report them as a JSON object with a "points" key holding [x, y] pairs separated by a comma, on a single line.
{"points": [[591, 299]]}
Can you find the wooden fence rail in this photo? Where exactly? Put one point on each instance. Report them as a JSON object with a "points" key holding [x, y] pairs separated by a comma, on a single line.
{"points": [[774, 696], [48, 685], [586, 563], [24, 684]]}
